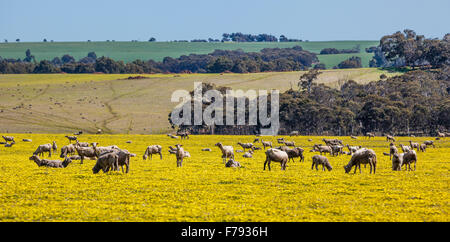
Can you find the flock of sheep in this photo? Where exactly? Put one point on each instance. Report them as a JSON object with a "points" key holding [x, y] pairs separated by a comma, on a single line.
{"points": [[113, 158]]}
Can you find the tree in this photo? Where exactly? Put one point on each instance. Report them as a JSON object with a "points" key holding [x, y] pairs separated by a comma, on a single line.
{"points": [[306, 80], [152, 39]]}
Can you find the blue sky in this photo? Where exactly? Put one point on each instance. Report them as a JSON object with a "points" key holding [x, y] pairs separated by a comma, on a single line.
{"points": [[314, 20]]}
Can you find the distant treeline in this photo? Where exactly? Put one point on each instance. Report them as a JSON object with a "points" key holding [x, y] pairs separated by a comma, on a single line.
{"points": [[416, 103], [331, 51], [237, 61]]}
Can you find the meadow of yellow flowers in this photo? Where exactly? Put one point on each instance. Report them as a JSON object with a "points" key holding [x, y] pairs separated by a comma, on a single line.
{"points": [[204, 190]]}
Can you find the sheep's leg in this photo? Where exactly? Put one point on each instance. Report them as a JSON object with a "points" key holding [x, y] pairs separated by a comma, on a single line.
{"points": [[312, 167], [415, 165], [160, 155]]}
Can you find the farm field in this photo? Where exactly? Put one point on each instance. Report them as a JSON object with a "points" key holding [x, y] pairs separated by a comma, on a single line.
{"points": [[204, 190], [60, 103], [130, 51]]}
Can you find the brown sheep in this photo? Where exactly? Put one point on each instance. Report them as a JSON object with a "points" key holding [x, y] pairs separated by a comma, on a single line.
{"points": [[397, 161], [289, 143], [321, 160], [276, 156], [409, 158], [44, 148], [10, 144], [390, 138], [151, 150], [86, 152], [423, 147], [429, 142], [414, 145], [294, 152], [246, 145], [51, 163], [67, 149], [322, 149], [106, 162], [70, 138], [82, 144], [280, 140], [362, 156], [183, 135], [227, 151], [266, 144], [392, 150], [123, 159], [8, 138]]}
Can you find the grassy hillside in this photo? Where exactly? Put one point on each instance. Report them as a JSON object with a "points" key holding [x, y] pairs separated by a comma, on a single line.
{"points": [[61, 103], [130, 51]]}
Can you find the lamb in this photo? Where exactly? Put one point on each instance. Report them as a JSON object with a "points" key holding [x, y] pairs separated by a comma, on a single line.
{"points": [[276, 155], [362, 156], [246, 145], [71, 138], [180, 155], [89, 152], [423, 147], [322, 149], [8, 138], [336, 150], [67, 149], [414, 145], [44, 148], [51, 163], [10, 144], [105, 162], [266, 144], [397, 161], [54, 146], [151, 150], [248, 154], [289, 143], [392, 150], [227, 151], [409, 158], [353, 149], [295, 152], [390, 138], [321, 160], [232, 163], [405, 148], [82, 144], [429, 142]]}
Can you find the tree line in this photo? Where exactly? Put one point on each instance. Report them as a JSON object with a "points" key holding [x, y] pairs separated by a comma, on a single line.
{"points": [[416, 103]]}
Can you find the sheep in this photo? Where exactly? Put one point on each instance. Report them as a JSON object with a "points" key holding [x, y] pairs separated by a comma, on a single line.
{"points": [[336, 150], [89, 152], [294, 133], [362, 156], [392, 150], [102, 149], [414, 145], [295, 152], [232, 163], [256, 140], [51, 163], [423, 147], [82, 144], [353, 149], [280, 140], [390, 138], [353, 137], [151, 150], [322, 149], [248, 154], [180, 155], [67, 149], [331, 142], [397, 161], [10, 144], [276, 155], [405, 148], [123, 159], [172, 136], [44, 148], [321, 160], [442, 135], [409, 158], [246, 145], [8, 138], [105, 162], [289, 143], [206, 149], [78, 133], [370, 135], [266, 144], [256, 148], [429, 142], [27, 140], [70, 138], [54, 146], [183, 135], [227, 151]]}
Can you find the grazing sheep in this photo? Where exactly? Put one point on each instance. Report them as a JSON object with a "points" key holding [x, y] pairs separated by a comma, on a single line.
{"points": [[331, 142], [75, 157], [336, 150], [322, 149], [266, 144], [8, 138], [44, 148], [256, 140], [397, 161], [256, 148], [51, 163], [67, 149], [183, 135], [151, 150], [392, 150], [102, 149], [423, 147], [246, 145], [429, 142], [321, 160], [123, 159], [105, 162], [172, 150], [362, 156], [89, 152], [414, 145], [276, 155], [289, 143], [390, 138], [70, 138], [227, 151], [294, 152], [232, 163], [353, 149], [409, 158], [405, 148], [370, 135]]}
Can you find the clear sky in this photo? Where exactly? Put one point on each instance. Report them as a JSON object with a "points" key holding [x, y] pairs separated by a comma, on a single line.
{"points": [[98, 20]]}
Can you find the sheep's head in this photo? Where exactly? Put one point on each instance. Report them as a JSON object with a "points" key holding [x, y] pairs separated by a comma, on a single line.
{"points": [[328, 166], [218, 144], [34, 157], [347, 168]]}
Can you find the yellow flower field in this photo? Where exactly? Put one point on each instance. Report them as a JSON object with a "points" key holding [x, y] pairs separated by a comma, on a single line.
{"points": [[204, 190]]}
